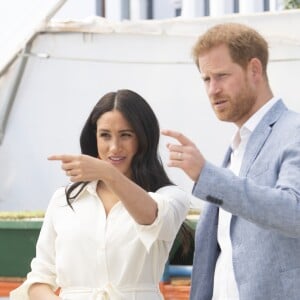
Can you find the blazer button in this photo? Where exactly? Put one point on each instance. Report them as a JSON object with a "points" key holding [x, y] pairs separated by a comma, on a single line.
{"points": [[214, 200]]}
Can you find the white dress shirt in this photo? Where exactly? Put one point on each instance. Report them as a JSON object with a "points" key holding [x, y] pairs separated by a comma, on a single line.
{"points": [[92, 256], [225, 286]]}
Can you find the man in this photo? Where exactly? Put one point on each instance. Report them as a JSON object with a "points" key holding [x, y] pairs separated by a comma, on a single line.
{"points": [[247, 243]]}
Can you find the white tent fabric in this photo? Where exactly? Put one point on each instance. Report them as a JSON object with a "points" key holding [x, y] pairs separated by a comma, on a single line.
{"points": [[270, 24], [19, 21], [71, 63]]}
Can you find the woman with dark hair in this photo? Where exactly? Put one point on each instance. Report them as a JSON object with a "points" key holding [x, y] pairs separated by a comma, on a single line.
{"points": [[109, 233]]}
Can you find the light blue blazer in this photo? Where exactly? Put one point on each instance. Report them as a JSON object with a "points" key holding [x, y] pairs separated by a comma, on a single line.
{"points": [[265, 202]]}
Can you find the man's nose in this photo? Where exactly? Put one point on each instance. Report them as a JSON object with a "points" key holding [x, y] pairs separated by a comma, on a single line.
{"points": [[214, 88]]}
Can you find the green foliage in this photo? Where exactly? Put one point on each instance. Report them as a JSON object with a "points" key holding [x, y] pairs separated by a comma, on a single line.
{"points": [[291, 4], [20, 215]]}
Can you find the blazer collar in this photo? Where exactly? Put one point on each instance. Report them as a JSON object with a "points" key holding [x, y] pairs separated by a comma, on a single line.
{"points": [[260, 135]]}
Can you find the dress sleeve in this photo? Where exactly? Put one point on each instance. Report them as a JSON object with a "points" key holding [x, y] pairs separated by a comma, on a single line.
{"points": [[173, 205], [43, 264]]}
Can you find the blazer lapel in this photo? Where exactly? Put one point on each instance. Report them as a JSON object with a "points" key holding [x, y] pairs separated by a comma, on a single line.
{"points": [[260, 135], [226, 159]]}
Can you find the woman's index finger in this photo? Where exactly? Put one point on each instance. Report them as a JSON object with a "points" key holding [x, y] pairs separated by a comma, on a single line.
{"points": [[61, 157]]}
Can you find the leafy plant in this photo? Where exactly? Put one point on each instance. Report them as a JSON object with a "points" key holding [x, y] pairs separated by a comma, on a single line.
{"points": [[291, 4], [17, 215]]}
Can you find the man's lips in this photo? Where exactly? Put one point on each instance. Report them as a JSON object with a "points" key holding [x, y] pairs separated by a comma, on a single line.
{"points": [[219, 104]]}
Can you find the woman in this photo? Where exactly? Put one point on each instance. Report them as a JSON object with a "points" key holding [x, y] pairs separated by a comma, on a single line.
{"points": [[108, 234]]}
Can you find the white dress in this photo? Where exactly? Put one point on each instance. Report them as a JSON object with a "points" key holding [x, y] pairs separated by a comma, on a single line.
{"points": [[94, 257]]}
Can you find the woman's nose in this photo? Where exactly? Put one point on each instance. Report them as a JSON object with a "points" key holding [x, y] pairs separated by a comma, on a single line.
{"points": [[115, 145]]}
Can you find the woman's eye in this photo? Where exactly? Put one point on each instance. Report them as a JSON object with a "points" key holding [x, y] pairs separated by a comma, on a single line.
{"points": [[104, 135], [126, 134]]}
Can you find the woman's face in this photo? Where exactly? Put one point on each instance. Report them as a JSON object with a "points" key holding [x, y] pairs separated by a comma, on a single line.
{"points": [[116, 141]]}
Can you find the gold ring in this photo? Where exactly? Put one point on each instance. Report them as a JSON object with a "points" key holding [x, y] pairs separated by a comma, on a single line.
{"points": [[179, 154]]}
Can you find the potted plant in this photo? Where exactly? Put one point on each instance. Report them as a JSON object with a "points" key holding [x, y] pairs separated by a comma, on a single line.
{"points": [[19, 232], [175, 283], [18, 235]]}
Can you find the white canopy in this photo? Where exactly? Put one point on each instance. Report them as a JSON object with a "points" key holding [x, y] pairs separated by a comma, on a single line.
{"points": [[19, 21], [47, 92]]}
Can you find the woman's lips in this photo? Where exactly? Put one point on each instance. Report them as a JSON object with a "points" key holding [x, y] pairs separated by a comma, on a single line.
{"points": [[116, 159]]}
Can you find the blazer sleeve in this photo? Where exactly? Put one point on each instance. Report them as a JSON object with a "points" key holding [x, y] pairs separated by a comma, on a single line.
{"points": [[270, 205]]}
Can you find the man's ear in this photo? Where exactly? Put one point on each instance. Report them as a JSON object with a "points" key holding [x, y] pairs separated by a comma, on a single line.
{"points": [[255, 68]]}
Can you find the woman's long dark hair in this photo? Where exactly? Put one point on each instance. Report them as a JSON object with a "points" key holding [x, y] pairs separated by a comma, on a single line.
{"points": [[147, 168]]}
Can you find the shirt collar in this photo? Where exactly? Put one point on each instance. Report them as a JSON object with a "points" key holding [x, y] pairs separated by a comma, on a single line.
{"points": [[91, 187], [253, 121], [249, 126]]}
